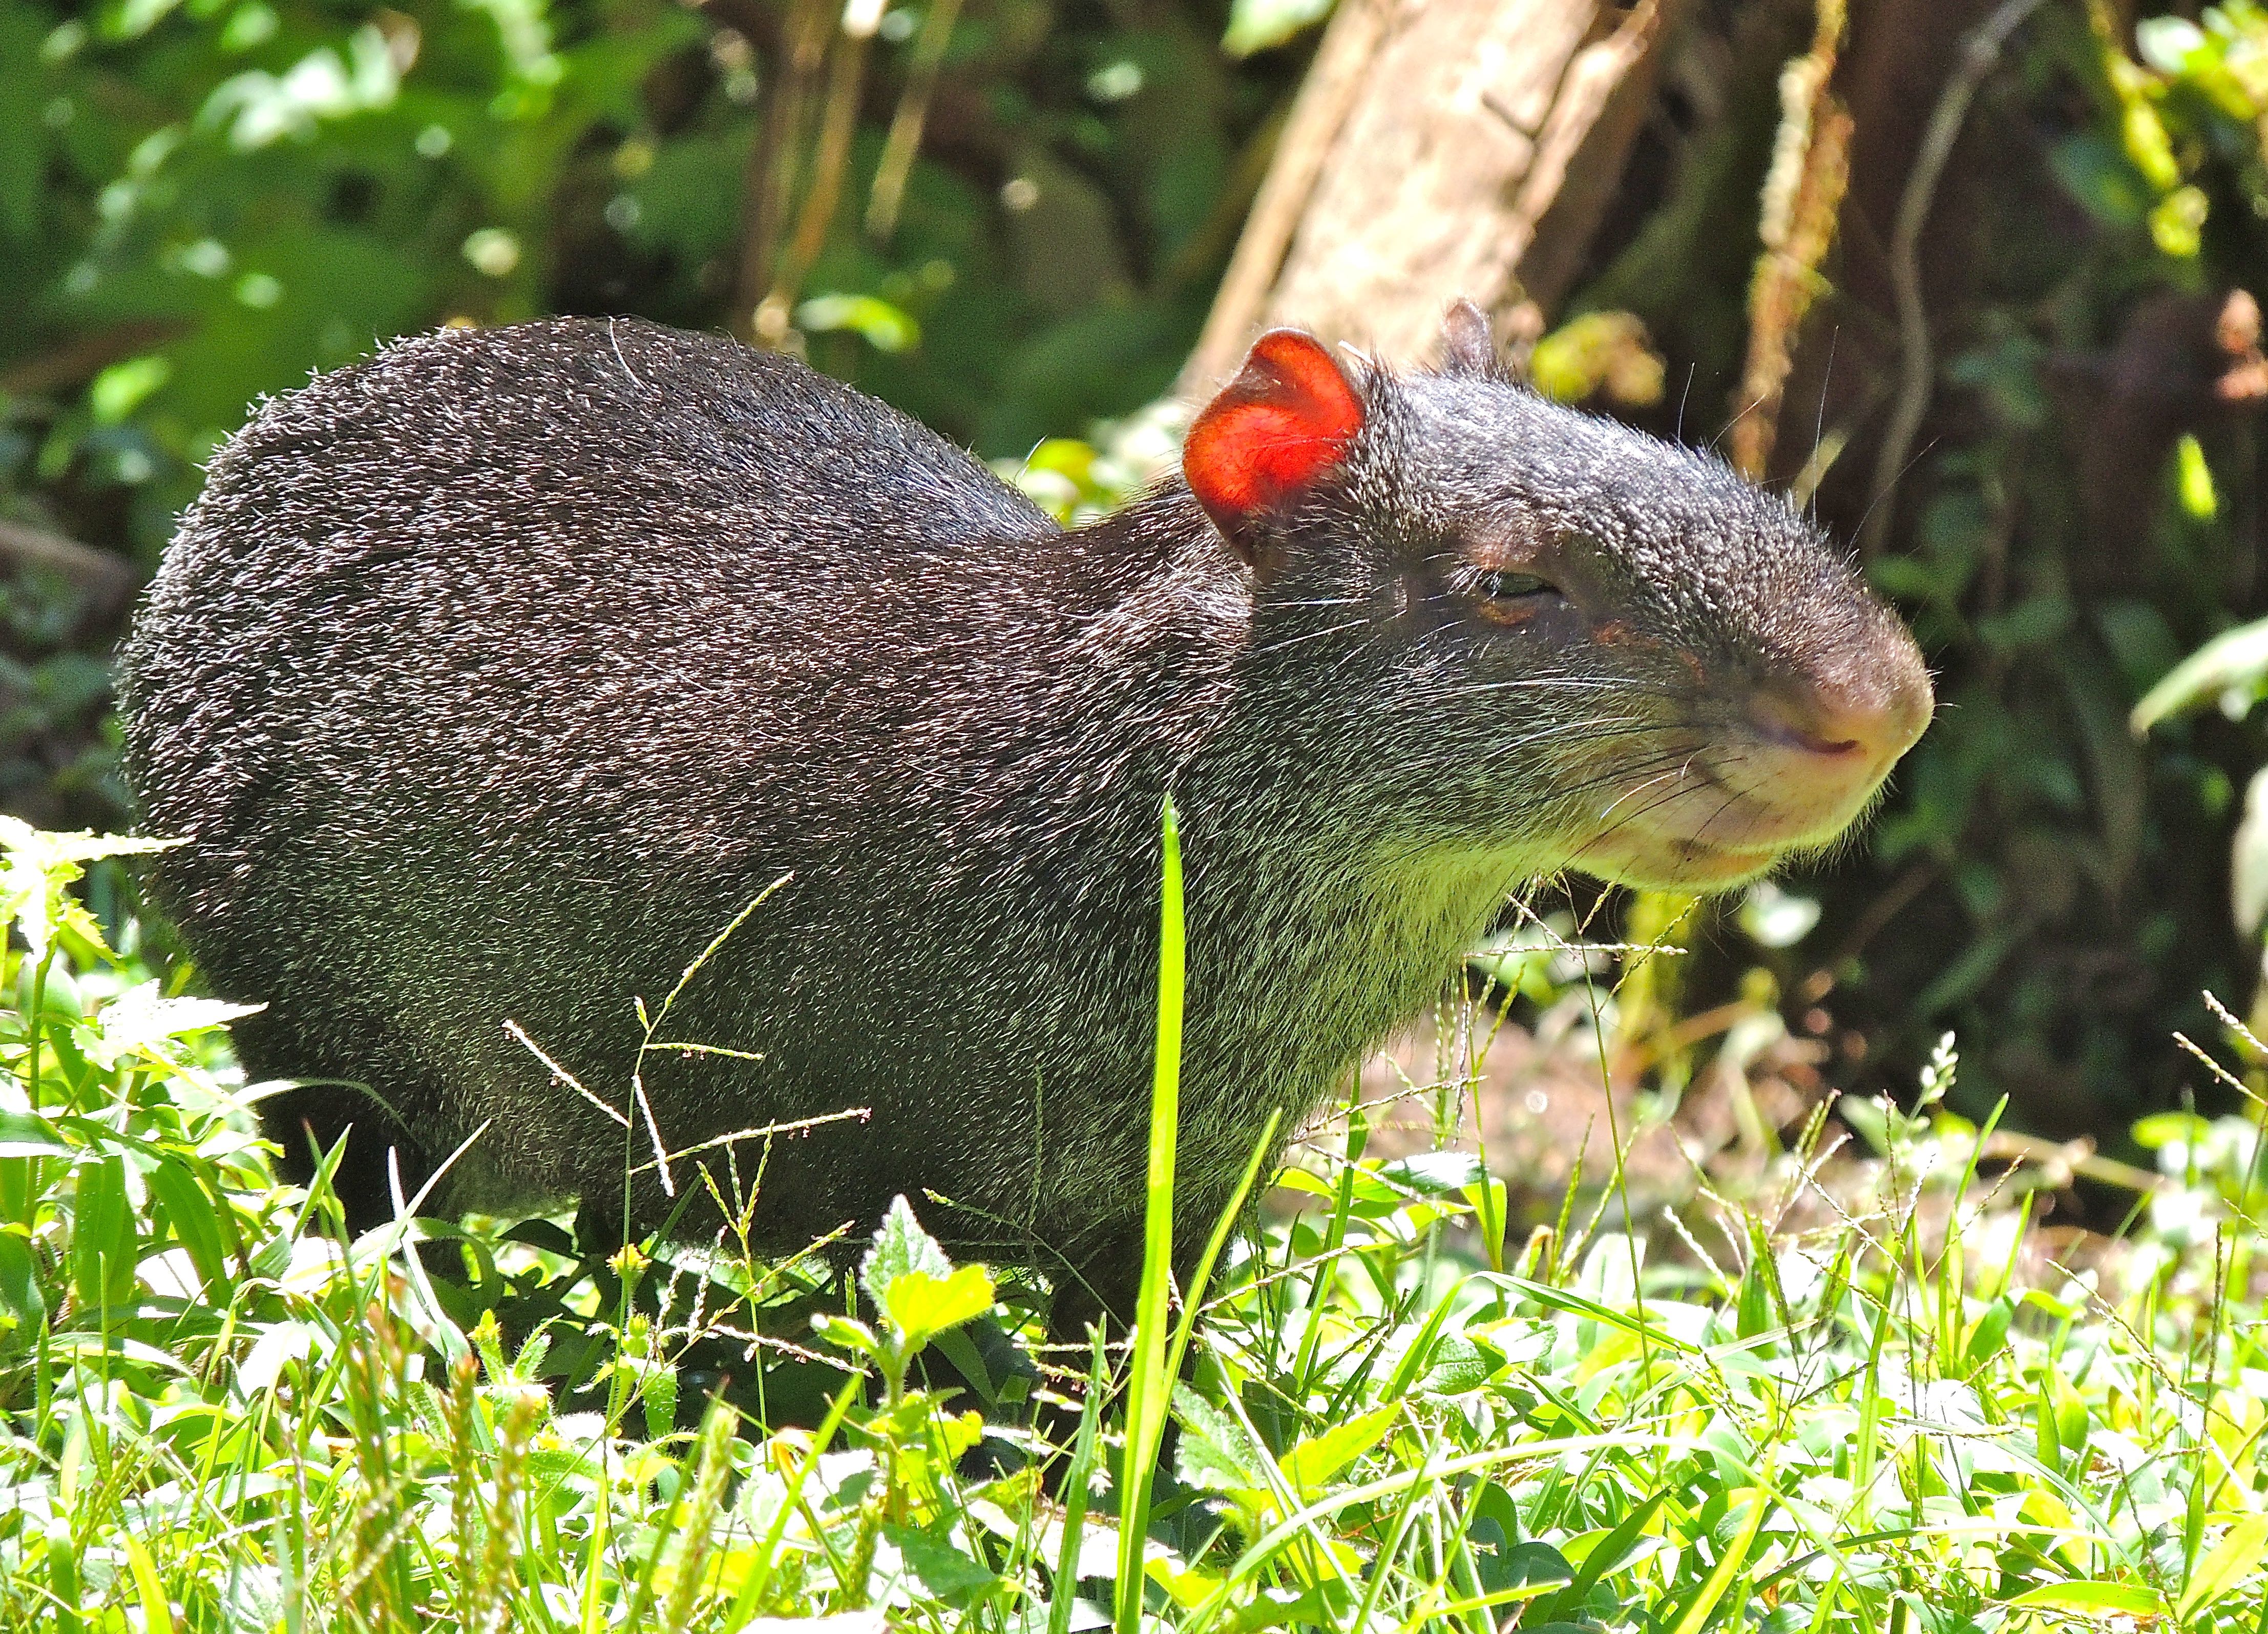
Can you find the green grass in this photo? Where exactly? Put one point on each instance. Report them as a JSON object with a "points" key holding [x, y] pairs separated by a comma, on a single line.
{"points": [[1905, 1415]]}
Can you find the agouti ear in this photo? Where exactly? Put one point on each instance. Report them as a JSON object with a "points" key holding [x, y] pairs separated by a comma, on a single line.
{"points": [[1286, 417], [1467, 345]]}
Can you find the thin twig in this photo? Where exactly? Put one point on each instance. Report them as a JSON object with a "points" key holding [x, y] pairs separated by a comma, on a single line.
{"points": [[900, 147], [107, 577], [1802, 208], [1980, 54], [838, 123], [770, 181]]}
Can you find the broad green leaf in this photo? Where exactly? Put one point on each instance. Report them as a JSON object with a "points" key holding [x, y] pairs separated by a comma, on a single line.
{"points": [[1535, 1565], [968, 1362], [103, 1240], [47, 849], [1256, 25], [36, 880], [1318, 1458], [900, 1246], [848, 1332], [2235, 1560], [142, 1018], [278, 1343], [188, 1209], [918, 1303], [1315, 1606], [2095, 1598], [1216, 1452], [1989, 1333], [19, 1281], [2235, 660], [1753, 1309], [1454, 1365], [942, 1568], [23, 1135]]}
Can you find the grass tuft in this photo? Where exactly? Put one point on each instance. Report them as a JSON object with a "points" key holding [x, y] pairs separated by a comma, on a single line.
{"points": [[1862, 1388]]}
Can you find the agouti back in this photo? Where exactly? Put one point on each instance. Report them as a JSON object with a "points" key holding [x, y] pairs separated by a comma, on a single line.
{"points": [[491, 678]]}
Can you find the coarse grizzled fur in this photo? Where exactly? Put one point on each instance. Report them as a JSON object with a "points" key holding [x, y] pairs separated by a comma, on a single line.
{"points": [[491, 678]]}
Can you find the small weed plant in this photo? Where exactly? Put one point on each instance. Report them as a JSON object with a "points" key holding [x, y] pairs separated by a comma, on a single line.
{"points": [[1891, 1403]]}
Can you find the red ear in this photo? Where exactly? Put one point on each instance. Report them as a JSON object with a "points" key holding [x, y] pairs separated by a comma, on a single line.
{"points": [[1287, 415]]}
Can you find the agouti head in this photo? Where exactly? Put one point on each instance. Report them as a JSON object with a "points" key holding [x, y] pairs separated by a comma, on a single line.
{"points": [[1617, 655]]}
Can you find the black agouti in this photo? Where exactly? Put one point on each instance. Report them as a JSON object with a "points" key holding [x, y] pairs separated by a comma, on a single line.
{"points": [[491, 678]]}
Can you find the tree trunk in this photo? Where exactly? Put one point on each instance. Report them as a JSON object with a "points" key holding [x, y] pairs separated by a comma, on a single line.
{"points": [[1438, 148]]}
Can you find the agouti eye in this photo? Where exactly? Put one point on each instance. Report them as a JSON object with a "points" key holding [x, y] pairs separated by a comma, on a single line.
{"points": [[1511, 586]]}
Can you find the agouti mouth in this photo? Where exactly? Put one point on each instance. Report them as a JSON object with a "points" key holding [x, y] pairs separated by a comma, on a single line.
{"points": [[1795, 738], [1740, 807]]}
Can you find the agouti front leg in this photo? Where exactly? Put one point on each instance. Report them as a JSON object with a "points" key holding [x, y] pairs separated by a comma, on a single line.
{"points": [[1103, 1293]]}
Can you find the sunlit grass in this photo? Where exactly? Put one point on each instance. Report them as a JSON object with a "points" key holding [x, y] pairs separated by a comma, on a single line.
{"points": [[1869, 1401]]}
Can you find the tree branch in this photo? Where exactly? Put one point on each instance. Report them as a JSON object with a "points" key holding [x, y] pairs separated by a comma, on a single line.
{"points": [[111, 581]]}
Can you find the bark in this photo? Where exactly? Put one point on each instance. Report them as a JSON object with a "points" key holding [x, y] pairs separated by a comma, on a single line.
{"points": [[1438, 148], [80, 358], [109, 581]]}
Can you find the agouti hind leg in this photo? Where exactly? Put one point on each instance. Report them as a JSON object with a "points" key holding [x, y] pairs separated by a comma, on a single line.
{"points": [[307, 1119]]}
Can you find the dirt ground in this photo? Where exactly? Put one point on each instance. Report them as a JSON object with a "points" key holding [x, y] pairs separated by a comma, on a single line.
{"points": [[1535, 1101]]}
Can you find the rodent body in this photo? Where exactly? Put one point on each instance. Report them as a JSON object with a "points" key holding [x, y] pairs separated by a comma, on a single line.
{"points": [[488, 679]]}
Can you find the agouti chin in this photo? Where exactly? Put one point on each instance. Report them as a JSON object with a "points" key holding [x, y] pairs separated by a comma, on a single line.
{"points": [[489, 679]]}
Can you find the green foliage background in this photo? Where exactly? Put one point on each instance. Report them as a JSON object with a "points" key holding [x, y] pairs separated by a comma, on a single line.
{"points": [[202, 200]]}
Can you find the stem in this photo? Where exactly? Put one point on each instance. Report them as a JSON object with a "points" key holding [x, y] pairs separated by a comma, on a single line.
{"points": [[1151, 1386], [37, 1025], [771, 180], [1980, 52], [837, 125], [904, 140]]}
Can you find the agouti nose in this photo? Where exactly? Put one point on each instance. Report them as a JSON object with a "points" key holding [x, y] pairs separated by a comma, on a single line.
{"points": [[1856, 723]]}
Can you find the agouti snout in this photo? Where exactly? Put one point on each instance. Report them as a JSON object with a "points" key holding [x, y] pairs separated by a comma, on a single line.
{"points": [[490, 678]]}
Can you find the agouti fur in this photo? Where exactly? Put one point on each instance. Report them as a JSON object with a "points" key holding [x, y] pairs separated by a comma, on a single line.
{"points": [[491, 678]]}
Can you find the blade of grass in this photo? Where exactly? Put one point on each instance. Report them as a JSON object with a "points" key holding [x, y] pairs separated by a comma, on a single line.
{"points": [[1303, 1370], [751, 1597], [1149, 1385], [1262, 1552], [1736, 1557], [1193, 1296], [1604, 1558], [1064, 1590]]}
